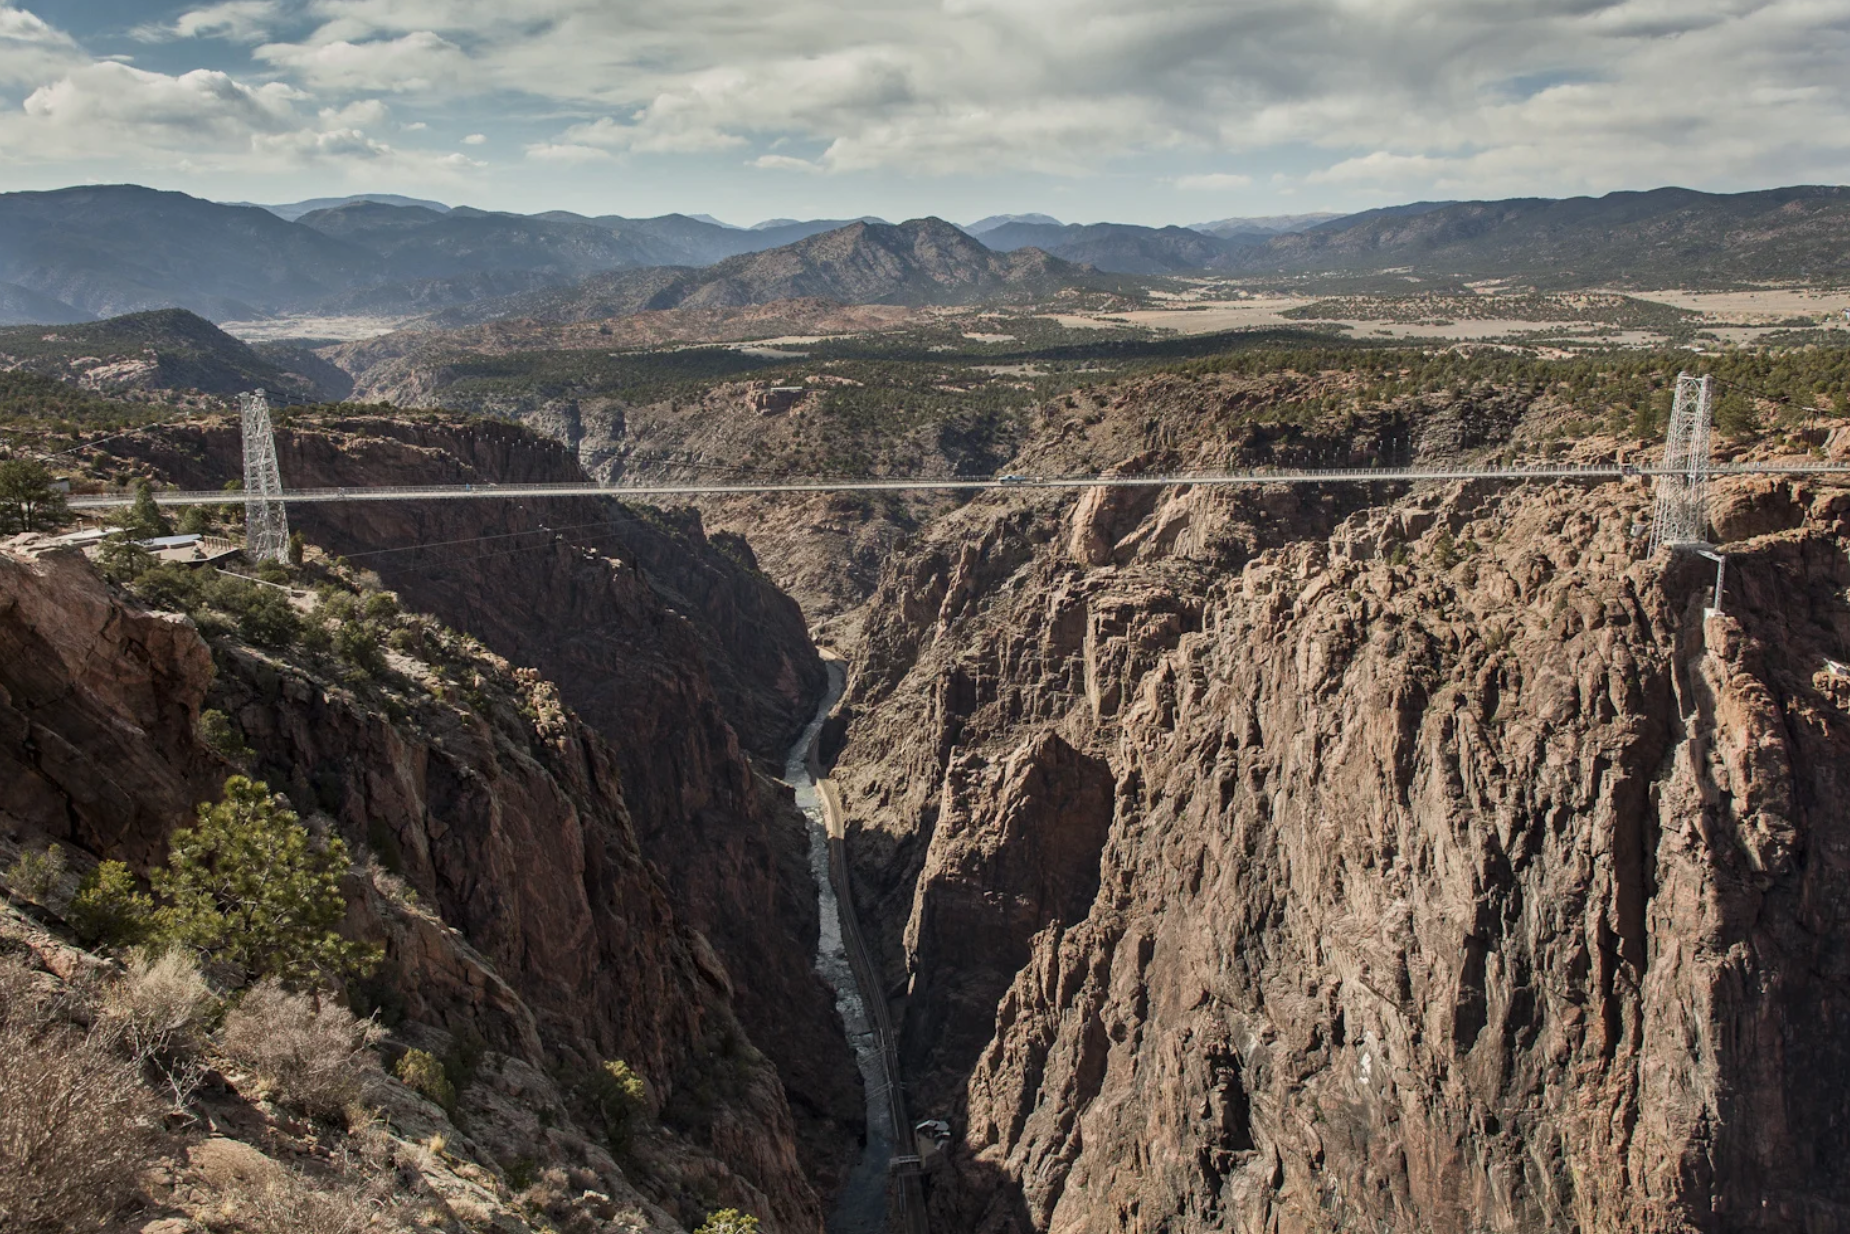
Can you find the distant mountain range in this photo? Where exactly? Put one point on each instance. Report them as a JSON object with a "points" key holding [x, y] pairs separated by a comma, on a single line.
{"points": [[22, 304], [1663, 238], [1265, 225], [983, 227], [104, 250], [296, 209], [785, 225], [698, 242], [922, 262], [1121, 247], [81, 253], [925, 261]]}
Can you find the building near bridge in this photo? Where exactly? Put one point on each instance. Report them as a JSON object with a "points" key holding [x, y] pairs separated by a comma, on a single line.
{"points": [[191, 550]]}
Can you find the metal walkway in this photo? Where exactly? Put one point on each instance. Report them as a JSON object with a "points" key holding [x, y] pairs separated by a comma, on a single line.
{"points": [[1261, 476]]}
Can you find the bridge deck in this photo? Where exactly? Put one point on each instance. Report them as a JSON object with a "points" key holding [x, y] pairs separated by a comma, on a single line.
{"points": [[1355, 475]]}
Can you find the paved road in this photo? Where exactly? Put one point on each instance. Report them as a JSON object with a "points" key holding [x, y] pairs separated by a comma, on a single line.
{"points": [[1352, 475], [910, 1192]]}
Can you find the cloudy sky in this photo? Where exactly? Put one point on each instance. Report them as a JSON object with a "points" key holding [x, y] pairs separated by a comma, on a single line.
{"points": [[1150, 111]]}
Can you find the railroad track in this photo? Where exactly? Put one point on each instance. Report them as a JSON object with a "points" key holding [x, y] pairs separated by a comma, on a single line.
{"points": [[907, 1182]]}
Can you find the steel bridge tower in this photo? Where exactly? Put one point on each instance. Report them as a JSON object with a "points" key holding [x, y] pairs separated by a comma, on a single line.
{"points": [[266, 518], [1681, 519]]}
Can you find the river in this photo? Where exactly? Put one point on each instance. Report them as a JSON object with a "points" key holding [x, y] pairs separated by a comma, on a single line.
{"points": [[860, 1208]]}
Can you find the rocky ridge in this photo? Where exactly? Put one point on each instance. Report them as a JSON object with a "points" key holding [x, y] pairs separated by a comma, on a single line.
{"points": [[159, 353]]}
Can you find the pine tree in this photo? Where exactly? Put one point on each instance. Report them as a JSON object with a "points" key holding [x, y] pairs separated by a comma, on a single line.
{"points": [[108, 909], [248, 885], [1736, 417], [28, 502], [144, 520]]}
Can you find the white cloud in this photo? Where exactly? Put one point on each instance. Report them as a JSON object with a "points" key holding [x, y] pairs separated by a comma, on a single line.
{"points": [[476, 139], [202, 120], [1217, 182], [361, 113], [1735, 99], [568, 153], [197, 108], [666, 127], [976, 86], [29, 29], [1415, 97], [81, 108], [31, 49], [420, 62], [783, 162], [240, 21], [1384, 168]]}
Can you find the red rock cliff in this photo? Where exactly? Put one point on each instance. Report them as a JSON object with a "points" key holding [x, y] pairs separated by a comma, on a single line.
{"points": [[1336, 876]]}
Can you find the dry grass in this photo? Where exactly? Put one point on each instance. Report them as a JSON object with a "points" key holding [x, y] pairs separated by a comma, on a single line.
{"points": [[554, 1196], [161, 1007], [289, 1203], [314, 1057], [161, 1002], [76, 1127]]}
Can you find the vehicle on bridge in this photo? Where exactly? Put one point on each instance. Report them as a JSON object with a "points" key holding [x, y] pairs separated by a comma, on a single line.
{"points": [[1012, 478]]}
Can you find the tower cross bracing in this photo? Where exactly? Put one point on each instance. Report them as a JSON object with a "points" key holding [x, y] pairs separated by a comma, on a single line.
{"points": [[1682, 515], [266, 518]]}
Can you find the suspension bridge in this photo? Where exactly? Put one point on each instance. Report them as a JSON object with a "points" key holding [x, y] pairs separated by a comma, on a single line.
{"points": [[1254, 476], [1681, 481]]}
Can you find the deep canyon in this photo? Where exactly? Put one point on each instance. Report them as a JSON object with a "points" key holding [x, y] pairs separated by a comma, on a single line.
{"points": [[1285, 859]]}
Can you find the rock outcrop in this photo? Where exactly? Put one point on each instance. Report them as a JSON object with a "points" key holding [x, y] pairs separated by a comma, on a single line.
{"points": [[97, 709], [1437, 866], [991, 884]]}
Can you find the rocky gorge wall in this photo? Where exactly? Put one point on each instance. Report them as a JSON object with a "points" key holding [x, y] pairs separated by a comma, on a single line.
{"points": [[824, 549], [688, 661], [520, 912], [1262, 862]]}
